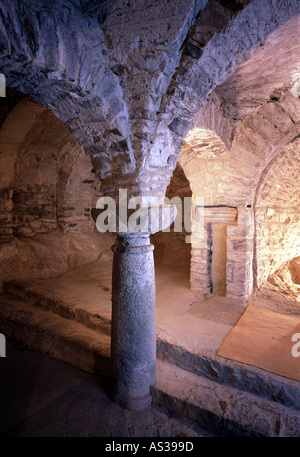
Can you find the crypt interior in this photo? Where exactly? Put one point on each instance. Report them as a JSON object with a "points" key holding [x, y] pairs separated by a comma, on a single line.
{"points": [[190, 99]]}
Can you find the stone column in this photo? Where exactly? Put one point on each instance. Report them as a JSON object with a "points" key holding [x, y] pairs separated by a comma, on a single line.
{"points": [[133, 338], [133, 334]]}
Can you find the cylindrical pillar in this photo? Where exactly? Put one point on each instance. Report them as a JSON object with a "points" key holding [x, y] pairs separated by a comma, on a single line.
{"points": [[133, 339]]}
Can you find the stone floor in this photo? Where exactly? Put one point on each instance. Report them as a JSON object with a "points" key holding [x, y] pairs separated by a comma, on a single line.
{"points": [[42, 396]]}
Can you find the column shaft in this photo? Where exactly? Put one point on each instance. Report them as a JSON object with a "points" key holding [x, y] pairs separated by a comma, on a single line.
{"points": [[133, 342]]}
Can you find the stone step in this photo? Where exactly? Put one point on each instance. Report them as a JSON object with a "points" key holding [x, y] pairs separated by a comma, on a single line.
{"points": [[47, 332], [218, 409], [246, 378], [63, 304]]}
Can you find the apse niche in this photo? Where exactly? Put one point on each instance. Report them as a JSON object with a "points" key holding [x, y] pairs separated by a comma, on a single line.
{"points": [[277, 223]]}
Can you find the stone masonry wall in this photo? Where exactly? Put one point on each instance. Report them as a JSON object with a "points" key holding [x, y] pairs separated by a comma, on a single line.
{"points": [[239, 268]]}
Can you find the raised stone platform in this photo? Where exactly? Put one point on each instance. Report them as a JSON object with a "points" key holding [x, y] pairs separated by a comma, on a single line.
{"points": [[69, 317]]}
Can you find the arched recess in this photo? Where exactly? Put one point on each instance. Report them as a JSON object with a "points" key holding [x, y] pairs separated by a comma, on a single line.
{"points": [[172, 246], [53, 183], [46, 171], [14, 129], [277, 218], [29, 131]]}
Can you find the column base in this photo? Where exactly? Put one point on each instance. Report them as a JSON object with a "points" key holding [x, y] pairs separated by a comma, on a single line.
{"points": [[135, 404]]}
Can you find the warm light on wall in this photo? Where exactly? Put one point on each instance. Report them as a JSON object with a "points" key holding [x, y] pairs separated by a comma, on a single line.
{"points": [[295, 90], [206, 143]]}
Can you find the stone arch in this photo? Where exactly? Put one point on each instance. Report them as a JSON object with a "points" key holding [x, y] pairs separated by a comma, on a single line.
{"points": [[229, 174], [227, 183], [212, 116], [260, 136], [57, 55], [221, 58], [87, 93]]}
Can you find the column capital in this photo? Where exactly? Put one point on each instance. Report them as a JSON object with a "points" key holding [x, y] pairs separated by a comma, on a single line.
{"points": [[138, 216]]}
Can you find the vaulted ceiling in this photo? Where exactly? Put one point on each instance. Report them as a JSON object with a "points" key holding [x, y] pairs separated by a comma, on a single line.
{"points": [[132, 79]]}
